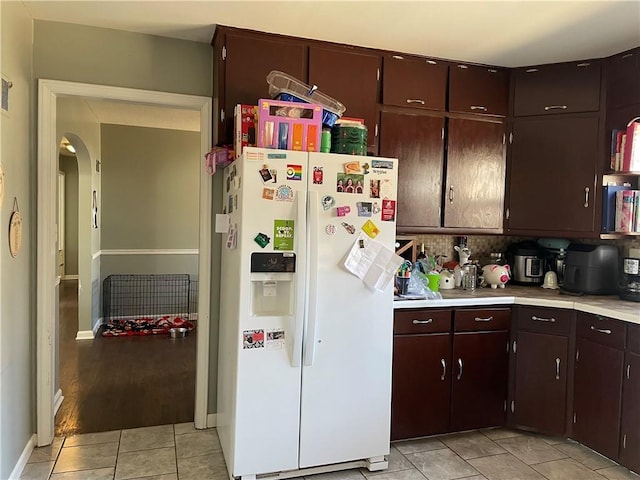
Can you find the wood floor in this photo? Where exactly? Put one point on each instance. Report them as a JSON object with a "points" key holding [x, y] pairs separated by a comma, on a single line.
{"points": [[116, 383]]}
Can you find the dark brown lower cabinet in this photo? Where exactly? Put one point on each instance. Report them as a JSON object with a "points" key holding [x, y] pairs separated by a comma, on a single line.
{"points": [[630, 425], [540, 396], [479, 379], [421, 385], [597, 394], [449, 379]]}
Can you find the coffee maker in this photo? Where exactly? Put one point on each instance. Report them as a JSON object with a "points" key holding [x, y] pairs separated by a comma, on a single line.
{"points": [[630, 279], [555, 254]]}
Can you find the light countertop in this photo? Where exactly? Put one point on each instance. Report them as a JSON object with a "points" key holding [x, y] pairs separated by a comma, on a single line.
{"points": [[606, 305]]}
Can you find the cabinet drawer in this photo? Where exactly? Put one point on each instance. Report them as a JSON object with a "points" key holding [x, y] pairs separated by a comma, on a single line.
{"points": [[425, 320], [602, 330], [633, 338], [559, 88], [476, 89], [545, 320], [486, 319], [418, 83]]}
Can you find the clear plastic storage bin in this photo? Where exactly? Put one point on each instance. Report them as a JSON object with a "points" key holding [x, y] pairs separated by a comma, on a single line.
{"points": [[289, 89]]}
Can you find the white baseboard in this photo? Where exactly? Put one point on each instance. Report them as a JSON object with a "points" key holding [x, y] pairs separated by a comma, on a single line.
{"points": [[57, 401], [24, 458], [212, 420], [85, 335]]}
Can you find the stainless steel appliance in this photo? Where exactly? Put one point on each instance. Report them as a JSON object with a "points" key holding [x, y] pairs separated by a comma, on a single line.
{"points": [[630, 279], [591, 269], [527, 263], [555, 255]]}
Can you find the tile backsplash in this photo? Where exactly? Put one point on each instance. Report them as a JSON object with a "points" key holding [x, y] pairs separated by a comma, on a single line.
{"points": [[482, 245]]}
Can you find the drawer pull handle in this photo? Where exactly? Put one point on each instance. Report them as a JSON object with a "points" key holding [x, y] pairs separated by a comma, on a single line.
{"points": [[541, 319], [601, 330], [478, 107], [488, 319], [557, 369], [444, 368], [555, 107], [460, 366], [415, 100], [422, 322]]}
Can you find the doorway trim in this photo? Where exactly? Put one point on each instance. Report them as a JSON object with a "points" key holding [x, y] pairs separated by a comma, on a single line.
{"points": [[48, 92]]}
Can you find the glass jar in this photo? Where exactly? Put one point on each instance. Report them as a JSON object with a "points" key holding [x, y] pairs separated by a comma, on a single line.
{"points": [[469, 276]]}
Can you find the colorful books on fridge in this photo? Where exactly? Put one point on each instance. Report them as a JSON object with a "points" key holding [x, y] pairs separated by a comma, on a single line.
{"points": [[627, 217]]}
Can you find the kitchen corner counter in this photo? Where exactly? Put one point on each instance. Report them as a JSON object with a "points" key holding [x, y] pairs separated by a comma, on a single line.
{"points": [[606, 305]]}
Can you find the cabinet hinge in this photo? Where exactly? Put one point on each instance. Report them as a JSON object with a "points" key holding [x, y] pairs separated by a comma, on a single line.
{"points": [[510, 138], [376, 130], [378, 76], [221, 115], [224, 53], [574, 417], [442, 133]]}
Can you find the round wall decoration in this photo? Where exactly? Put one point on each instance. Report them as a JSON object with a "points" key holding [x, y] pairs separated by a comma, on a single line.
{"points": [[15, 230]]}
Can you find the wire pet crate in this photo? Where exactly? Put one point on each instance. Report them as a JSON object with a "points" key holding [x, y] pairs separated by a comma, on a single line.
{"points": [[148, 297]]}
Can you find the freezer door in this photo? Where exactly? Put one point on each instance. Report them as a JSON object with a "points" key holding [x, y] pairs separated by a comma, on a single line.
{"points": [[346, 377], [269, 214]]}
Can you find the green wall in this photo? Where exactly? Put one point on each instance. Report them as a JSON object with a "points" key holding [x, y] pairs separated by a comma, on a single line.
{"points": [[77, 53], [69, 166]]}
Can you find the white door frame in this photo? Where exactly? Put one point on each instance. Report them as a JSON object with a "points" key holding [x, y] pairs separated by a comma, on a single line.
{"points": [[48, 92]]}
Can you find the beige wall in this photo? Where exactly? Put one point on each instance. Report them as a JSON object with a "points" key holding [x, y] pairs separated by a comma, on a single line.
{"points": [[17, 275], [68, 164], [150, 185]]}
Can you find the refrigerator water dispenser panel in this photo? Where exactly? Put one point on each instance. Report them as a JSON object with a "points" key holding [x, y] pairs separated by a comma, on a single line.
{"points": [[272, 283]]}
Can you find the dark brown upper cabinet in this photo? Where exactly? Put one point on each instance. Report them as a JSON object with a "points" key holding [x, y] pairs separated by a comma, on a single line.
{"points": [[248, 58], [475, 177], [557, 88], [414, 82], [417, 141], [552, 175], [478, 89], [623, 79], [353, 78]]}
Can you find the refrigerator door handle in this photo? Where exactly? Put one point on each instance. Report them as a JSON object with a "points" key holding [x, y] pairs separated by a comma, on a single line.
{"points": [[310, 334], [301, 280]]}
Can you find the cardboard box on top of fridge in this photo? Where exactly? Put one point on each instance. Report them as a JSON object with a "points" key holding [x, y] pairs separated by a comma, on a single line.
{"points": [[245, 127], [289, 125]]}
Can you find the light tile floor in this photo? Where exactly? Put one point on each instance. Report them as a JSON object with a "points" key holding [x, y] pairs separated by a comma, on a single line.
{"points": [[180, 452]]}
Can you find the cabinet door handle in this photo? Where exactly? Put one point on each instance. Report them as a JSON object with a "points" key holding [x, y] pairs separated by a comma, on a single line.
{"points": [[586, 197], [488, 319], [557, 369], [451, 194], [478, 107], [555, 107], [415, 100], [628, 370], [444, 368], [624, 441], [601, 330], [540, 319], [460, 366], [422, 322]]}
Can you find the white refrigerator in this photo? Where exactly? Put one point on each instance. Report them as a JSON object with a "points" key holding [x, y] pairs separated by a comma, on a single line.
{"points": [[305, 343]]}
